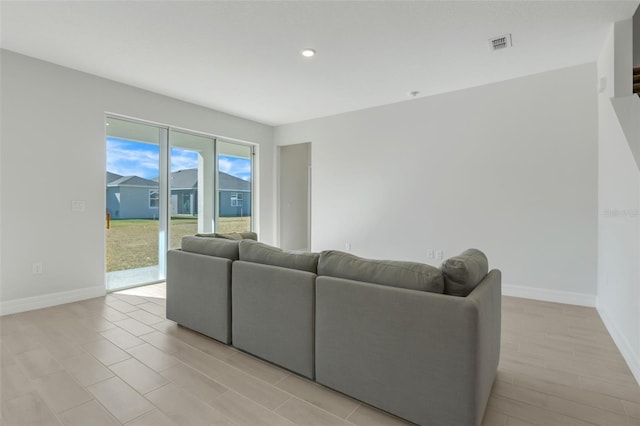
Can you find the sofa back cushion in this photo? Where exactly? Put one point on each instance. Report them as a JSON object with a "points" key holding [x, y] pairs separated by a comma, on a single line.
{"points": [[217, 247], [462, 273], [410, 275], [253, 251]]}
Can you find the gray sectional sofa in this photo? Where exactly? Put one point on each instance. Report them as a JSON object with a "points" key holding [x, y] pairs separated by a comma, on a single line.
{"points": [[420, 342]]}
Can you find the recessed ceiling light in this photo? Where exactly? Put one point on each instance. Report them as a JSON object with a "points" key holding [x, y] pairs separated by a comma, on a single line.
{"points": [[307, 53]]}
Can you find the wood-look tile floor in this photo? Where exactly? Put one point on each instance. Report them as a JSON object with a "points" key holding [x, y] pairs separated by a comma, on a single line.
{"points": [[116, 360]]}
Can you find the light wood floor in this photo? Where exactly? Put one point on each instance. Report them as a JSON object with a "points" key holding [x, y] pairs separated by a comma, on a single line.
{"points": [[117, 360]]}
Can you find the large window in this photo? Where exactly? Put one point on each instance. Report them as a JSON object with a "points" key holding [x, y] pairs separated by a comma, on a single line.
{"points": [[164, 184]]}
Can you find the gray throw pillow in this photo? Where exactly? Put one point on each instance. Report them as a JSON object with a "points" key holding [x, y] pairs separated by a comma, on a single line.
{"points": [[464, 272], [249, 236], [253, 251], [217, 247], [394, 273], [232, 235]]}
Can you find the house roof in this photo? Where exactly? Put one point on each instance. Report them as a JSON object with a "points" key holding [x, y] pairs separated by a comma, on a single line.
{"points": [[232, 183], [182, 179], [112, 176], [369, 53], [130, 181], [188, 178]]}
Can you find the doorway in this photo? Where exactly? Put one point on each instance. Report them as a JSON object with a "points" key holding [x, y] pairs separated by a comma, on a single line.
{"points": [[295, 198]]}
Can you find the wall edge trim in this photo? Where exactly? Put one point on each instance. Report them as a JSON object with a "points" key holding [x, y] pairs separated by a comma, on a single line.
{"points": [[547, 295]]}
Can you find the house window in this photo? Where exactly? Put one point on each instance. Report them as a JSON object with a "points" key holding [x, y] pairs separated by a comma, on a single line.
{"points": [[154, 198], [236, 199]]}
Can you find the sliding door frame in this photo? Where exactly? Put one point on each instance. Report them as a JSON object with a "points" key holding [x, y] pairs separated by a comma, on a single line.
{"points": [[163, 205]]}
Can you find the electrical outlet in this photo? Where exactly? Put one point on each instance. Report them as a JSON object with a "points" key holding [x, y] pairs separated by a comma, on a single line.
{"points": [[439, 254], [347, 246], [36, 268], [430, 254]]}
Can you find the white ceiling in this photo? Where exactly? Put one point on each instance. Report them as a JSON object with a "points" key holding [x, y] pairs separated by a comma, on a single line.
{"points": [[243, 57]]}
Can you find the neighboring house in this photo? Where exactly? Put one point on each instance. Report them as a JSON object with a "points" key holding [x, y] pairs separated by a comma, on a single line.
{"points": [[184, 192], [235, 196], [133, 197]]}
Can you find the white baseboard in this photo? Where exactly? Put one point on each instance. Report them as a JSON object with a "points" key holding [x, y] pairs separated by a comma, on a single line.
{"points": [[52, 299], [547, 295], [621, 342]]}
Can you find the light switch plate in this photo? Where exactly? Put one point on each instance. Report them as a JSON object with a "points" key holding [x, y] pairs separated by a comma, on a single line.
{"points": [[77, 205]]}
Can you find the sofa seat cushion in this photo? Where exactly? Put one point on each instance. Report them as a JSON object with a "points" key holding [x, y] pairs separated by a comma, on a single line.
{"points": [[462, 273], [410, 275], [217, 247], [253, 251]]}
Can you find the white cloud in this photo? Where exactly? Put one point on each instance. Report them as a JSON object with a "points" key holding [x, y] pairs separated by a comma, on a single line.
{"points": [[181, 160], [138, 159], [132, 159], [238, 167]]}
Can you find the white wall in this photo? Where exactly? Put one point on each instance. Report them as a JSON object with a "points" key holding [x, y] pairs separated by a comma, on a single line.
{"points": [[53, 151], [510, 168], [623, 58], [618, 207], [636, 39]]}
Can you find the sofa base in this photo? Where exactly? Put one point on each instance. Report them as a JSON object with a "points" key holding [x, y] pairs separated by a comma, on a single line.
{"points": [[426, 357]]}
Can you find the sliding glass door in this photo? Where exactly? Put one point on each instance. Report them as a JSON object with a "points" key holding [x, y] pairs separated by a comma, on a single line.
{"points": [[135, 204], [164, 184], [192, 185], [234, 187]]}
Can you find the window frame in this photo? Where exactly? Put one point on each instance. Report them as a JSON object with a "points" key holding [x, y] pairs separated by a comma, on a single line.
{"points": [[237, 199], [157, 198]]}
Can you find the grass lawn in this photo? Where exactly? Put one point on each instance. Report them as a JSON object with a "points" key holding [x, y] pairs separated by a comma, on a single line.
{"points": [[133, 243]]}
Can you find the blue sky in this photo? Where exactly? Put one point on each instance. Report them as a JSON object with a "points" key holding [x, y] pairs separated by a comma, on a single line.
{"points": [[128, 158]]}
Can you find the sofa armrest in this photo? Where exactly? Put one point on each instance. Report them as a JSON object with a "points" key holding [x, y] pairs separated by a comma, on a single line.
{"points": [[427, 357], [487, 297], [199, 293]]}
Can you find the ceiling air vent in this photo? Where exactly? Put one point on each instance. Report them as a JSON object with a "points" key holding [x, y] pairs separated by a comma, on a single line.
{"points": [[500, 42]]}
